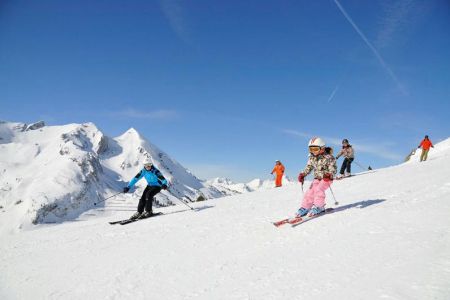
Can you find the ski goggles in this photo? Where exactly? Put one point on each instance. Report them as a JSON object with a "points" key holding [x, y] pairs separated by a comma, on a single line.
{"points": [[149, 165], [314, 148]]}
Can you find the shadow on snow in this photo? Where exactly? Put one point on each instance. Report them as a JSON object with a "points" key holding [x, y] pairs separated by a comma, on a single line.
{"points": [[360, 204]]}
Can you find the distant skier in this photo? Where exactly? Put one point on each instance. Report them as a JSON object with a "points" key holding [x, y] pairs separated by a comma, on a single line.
{"points": [[279, 172], [425, 144], [349, 156], [324, 166], [155, 182]]}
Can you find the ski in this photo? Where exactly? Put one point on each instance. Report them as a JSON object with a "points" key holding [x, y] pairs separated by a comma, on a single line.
{"points": [[281, 222], [308, 218], [117, 222], [128, 221], [298, 220], [292, 220], [343, 177]]}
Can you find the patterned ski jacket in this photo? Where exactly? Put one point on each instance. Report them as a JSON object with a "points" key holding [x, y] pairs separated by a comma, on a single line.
{"points": [[347, 152], [321, 164], [153, 177]]}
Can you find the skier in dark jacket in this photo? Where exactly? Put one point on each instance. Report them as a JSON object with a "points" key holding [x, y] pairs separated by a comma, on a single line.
{"points": [[155, 182]]}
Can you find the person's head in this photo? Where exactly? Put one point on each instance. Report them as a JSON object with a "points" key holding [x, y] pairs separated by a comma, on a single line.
{"points": [[316, 146], [148, 164], [426, 137], [277, 162], [345, 143]]}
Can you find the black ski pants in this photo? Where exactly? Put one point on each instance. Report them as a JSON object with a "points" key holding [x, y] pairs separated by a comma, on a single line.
{"points": [[146, 200], [346, 164]]}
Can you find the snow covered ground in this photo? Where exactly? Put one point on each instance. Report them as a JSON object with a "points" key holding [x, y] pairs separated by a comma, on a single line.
{"points": [[388, 239]]}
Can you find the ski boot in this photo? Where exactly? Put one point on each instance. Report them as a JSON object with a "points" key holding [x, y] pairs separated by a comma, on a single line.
{"points": [[302, 212], [316, 211], [136, 215], [145, 215]]}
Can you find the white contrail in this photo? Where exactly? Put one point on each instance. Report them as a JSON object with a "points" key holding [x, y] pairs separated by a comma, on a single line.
{"points": [[174, 13], [375, 52], [333, 93]]}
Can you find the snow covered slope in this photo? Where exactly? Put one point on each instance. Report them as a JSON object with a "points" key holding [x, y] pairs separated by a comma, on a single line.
{"points": [[388, 239]]}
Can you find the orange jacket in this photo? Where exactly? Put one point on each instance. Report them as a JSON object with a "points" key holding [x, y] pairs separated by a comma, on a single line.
{"points": [[426, 144], [278, 169]]}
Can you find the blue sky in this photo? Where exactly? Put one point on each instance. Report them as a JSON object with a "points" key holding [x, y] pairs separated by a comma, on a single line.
{"points": [[227, 87]]}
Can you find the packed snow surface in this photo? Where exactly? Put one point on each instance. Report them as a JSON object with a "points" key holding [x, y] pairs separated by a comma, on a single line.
{"points": [[389, 238]]}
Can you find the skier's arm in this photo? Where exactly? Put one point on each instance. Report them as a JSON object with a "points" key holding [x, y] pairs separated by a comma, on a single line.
{"points": [[136, 179], [161, 179], [309, 167]]}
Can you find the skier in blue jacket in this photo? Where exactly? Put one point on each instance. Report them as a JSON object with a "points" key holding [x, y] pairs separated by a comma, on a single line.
{"points": [[155, 182]]}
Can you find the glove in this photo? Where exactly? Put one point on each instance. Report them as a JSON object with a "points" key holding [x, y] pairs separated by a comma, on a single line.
{"points": [[126, 189], [301, 178], [327, 177], [164, 186]]}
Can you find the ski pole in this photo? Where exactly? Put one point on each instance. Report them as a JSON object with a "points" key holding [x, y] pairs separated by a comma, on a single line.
{"points": [[185, 204], [335, 202], [362, 167], [95, 203]]}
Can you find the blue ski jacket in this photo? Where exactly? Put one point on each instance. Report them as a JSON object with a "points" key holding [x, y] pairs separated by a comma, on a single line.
{"points": [[153, 177]]}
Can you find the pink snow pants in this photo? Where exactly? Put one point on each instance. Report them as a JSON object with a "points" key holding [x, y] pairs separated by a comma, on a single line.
{"points": [[315, 195]]}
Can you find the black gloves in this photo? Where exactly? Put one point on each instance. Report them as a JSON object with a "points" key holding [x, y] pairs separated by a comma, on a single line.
{"points": [[126, 189], [164, 187]]}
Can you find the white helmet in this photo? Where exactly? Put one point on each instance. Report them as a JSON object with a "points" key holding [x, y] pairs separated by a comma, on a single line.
{"points": [[316, 141], [148, 163]]}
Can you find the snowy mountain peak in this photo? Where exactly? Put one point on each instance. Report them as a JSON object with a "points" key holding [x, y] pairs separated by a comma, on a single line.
{"points": [[36, 125], [131, 133], [220, 180], [55, 173]]}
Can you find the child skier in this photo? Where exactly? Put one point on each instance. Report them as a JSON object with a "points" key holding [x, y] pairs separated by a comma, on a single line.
{"points": [[324, 166], [155, 182]]}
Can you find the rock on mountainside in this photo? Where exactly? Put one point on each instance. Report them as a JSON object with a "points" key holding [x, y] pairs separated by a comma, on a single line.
{"points": [[54, 173]]}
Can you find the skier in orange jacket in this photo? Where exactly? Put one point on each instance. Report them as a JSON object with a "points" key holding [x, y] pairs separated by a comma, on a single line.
{"points": [[425, 144], [279, 171]]}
